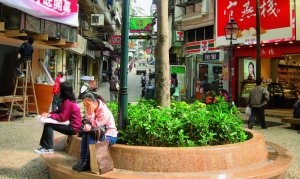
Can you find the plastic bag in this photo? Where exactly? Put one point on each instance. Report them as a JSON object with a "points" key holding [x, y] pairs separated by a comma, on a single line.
{"points": [[248, 111]]}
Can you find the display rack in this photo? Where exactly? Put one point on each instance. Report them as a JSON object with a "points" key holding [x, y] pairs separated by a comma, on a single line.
{"points": [[289, 72], [282, 95]]}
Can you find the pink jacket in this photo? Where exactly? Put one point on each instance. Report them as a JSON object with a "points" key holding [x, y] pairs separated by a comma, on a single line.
{"points": [[103, 117]]}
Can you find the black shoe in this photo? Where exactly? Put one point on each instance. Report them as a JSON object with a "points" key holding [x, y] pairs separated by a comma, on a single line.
{"points": [[84, 166], [77, 165], [264, 127]]}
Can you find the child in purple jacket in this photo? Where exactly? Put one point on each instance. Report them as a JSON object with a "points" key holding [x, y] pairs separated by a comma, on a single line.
{"points": [[68, 111]]}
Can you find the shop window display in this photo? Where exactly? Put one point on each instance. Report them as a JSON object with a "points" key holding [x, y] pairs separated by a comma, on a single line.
{"points": [[281, 95], [289, 71]]}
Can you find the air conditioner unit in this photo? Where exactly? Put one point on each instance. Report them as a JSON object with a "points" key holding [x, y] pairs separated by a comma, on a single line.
{"points": [[204, 7], [97, 19], [85, 25]]}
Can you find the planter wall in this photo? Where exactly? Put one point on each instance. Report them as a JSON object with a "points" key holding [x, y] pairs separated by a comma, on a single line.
{"points": [[190, 159]]}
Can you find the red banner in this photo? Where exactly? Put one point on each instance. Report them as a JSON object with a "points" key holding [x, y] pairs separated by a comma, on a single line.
{"points": [[273, 14]]}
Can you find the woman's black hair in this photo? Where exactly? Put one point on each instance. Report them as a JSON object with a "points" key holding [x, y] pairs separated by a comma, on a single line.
{"points": [[174, 79], [93, 97], [66, 92]]}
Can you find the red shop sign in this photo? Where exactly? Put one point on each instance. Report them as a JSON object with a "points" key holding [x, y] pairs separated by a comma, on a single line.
{"points": [[275, 19]]}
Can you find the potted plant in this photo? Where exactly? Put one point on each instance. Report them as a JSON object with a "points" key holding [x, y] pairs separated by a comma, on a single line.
{"points": [[194, 137]]}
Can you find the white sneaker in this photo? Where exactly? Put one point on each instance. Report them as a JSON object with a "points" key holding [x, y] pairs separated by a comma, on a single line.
{"points": [[44, 151]]}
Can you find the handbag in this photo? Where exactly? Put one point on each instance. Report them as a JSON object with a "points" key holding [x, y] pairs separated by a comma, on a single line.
{"points": [[100, 160], [248, 111]]}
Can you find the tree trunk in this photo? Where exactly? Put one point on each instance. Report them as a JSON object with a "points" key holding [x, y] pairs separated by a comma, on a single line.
{"points": [[162, 61]]}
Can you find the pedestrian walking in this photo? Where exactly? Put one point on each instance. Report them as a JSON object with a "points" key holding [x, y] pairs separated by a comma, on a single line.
{"points": [[143, 80], [114, 88], [98, 116], [175, 88], [68, 111], [117, 73], [259, 96], [56, 102], [25, 54]]}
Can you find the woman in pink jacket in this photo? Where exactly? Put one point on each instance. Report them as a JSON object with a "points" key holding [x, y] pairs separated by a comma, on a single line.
{"points": [[97, 115], [68, 111]]}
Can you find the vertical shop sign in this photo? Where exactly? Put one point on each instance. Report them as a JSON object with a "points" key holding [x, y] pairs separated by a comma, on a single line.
{"points": [[179, 36], [275, 20], [62, 11], [180, 71]]}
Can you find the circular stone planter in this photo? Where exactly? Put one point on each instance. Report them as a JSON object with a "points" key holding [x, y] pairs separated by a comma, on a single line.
{"points": [[191, 159]]}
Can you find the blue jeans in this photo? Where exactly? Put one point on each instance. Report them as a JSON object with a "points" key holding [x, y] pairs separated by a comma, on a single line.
{"points": [[88, 138]]}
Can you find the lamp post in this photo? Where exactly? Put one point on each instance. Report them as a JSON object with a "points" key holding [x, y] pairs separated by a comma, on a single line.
{"points": [[231, 30]]}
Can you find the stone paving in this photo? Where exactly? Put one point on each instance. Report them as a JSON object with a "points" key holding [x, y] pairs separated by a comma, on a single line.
{"points": [[18, 140]]}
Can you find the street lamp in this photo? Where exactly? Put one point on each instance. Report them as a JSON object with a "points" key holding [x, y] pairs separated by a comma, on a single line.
{"points": [[231, 30]]}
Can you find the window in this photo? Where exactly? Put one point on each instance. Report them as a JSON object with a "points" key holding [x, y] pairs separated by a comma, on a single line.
{"points": [[191, 35], [209, 32], [200, 34]]}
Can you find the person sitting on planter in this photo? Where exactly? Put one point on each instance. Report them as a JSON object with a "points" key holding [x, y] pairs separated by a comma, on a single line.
{"points": [[209, 96], [68, 111], [224, 93], [98, 116]]}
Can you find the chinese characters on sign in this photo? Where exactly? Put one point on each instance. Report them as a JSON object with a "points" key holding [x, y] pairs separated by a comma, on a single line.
{"points": [[275, 19], [61, 6]]}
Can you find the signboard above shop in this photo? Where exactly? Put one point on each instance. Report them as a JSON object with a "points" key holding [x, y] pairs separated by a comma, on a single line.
{"points": [[62, 11], [211, 56], [141, 24], [276, 18]]}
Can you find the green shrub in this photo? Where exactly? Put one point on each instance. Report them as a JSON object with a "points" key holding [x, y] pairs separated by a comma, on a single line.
{"points": [[181, 125]]}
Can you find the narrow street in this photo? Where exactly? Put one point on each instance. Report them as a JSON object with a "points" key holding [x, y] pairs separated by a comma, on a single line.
{"points": [[134, 87]]}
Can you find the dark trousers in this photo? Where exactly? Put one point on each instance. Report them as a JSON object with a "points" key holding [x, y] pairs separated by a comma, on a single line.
{"points": [[47, 136], [18, 63], [257, 113]]}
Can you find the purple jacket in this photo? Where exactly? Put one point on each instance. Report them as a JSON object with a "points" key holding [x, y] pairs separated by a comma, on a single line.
{"points": [[68, 110]]}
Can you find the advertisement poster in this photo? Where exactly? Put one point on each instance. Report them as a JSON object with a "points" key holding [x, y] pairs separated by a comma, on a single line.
{"points": [[249, 69], [141, 24], [180, 71]]}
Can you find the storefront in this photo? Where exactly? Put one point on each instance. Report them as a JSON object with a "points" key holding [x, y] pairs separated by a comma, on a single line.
{"points": [[279, 48], [280, 71], [204, 62]]}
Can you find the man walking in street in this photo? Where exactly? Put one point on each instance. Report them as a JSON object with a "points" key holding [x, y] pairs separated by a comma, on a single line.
{"points": [[114, 89], [25, 54], [259, 96]]}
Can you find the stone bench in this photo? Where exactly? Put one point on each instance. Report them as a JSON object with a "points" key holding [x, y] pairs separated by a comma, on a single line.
{"points": [[267, 161], [295, 122]]}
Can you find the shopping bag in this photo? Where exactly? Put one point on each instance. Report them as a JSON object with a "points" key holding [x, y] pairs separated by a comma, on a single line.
{"points": [[100, 159], [248, 111]]}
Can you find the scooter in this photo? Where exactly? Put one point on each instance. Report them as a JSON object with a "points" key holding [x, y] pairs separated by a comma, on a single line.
{"points": [[84, 89]]}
